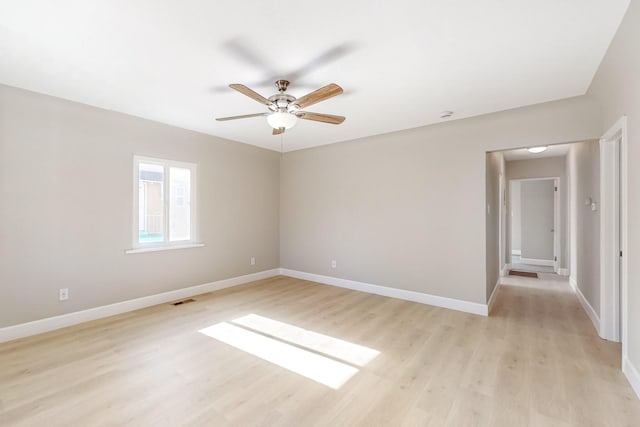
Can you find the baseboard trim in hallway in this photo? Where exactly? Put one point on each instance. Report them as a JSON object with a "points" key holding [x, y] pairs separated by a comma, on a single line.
{"points": [[534, 261], [630, 371], [403, 294], [492, 298], [52, 323], [632, 374], [595, 319]]}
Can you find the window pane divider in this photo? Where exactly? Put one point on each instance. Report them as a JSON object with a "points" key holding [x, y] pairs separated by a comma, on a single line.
{"points": [[166, 202]]}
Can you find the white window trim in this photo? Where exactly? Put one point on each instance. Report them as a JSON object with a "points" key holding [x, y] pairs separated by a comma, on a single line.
{"points": [[163, 246], [143, 249]]}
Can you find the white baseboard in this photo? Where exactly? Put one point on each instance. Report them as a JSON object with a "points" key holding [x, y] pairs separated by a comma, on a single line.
{"points": [[49, 324], [492, 298], [573, 283], [505, 270], [632, 375], [444, 302], [563, 271], [589, 310], [533, 261], [516, 252]]}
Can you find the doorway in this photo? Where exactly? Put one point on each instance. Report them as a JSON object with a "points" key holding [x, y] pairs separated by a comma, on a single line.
{"points": [[534, 224]]}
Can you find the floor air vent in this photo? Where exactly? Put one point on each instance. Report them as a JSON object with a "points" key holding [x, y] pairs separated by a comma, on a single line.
{"points": [[184, 301]]}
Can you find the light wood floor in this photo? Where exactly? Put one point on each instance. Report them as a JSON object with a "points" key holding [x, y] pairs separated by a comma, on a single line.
{"points": [[536, 361]]}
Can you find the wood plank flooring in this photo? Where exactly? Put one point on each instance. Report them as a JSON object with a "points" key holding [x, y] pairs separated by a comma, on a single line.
{"points": [[536, 361]]}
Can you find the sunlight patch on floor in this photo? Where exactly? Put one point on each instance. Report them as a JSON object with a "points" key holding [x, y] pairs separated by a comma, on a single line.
{"points": [[323, 370], [340, 349]]}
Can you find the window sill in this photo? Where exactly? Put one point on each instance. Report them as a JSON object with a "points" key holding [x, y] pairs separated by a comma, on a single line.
{"points": [[144, 249]]}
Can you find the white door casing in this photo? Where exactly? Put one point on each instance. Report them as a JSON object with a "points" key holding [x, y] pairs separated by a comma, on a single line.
{"points": [[555, 261], [613, 239]]}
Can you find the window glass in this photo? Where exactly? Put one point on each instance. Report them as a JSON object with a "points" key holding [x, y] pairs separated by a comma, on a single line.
{"points": [[150, 203], [179, 204]]}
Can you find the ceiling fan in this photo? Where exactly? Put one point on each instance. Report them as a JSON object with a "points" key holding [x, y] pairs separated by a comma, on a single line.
{"points": [[285, 110]]}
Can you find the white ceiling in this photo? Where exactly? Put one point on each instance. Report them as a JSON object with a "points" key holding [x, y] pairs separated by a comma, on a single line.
{"points": [[558, 150], [400, 62]]}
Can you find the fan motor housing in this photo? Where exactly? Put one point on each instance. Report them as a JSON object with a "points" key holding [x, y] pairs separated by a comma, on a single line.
{"points": [[281, 101]]}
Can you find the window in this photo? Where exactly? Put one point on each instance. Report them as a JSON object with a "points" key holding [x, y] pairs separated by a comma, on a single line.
{"points": [[164, 204]]}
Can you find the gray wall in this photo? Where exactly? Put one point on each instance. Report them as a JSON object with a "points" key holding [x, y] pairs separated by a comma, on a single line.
{"points": [[402, 209], [617, 87], [545, 167], [494, 168], [66, 211], [584, 170], [515, 216], [537, 200]]}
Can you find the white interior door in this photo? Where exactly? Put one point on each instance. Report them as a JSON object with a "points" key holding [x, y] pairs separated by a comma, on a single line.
{"points": [[538, 221]]}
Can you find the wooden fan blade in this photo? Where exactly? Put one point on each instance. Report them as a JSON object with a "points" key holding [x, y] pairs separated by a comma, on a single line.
{"points": [[321, 94], [250, 93], [277, 131], [246, 116], [325, 118]]}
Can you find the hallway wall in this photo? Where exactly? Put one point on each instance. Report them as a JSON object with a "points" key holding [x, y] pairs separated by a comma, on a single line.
{"points": [[584, 174]]}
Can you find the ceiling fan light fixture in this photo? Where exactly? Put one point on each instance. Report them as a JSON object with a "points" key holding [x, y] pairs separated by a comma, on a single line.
{"points": [[285, 110], [536, 150], [281, 119]]}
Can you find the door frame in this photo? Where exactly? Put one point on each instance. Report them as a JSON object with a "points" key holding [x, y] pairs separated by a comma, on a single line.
{"points": [[502, 228], [556, 218], [613, 234]]}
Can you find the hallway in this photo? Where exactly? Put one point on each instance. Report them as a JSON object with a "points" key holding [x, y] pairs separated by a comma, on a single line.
{"points": [[573, 376]]}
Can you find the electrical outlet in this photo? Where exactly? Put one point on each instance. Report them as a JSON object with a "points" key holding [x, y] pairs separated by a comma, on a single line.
{"points": [[253, 260], [63, 294], [334, 264]]}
